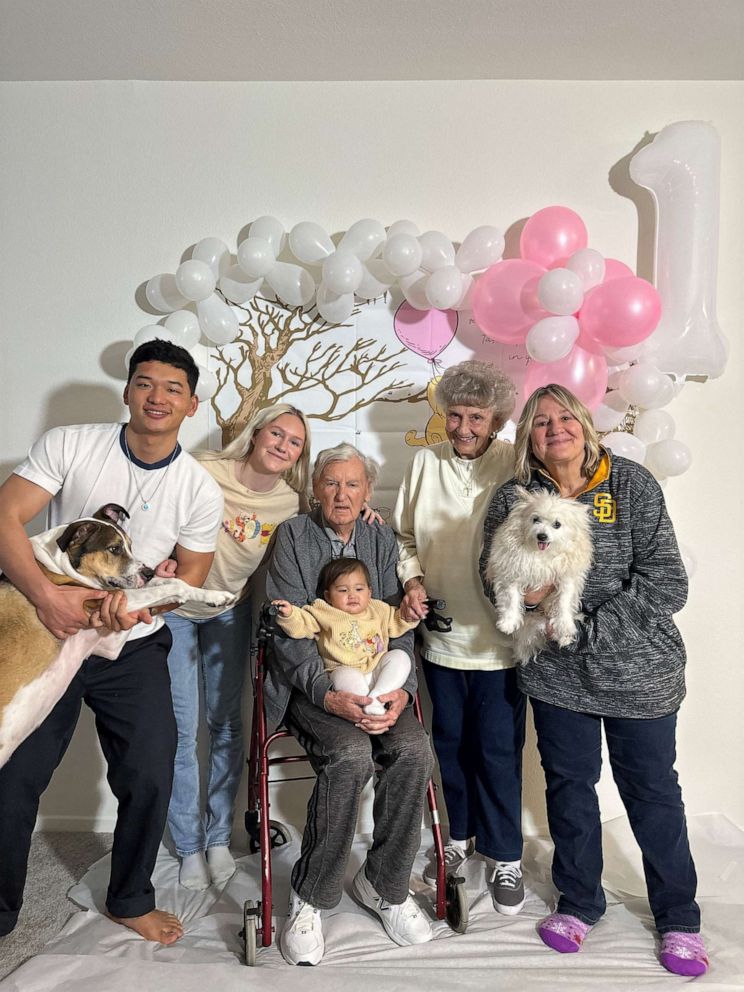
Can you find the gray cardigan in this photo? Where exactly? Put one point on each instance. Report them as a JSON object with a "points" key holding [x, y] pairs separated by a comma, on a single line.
{"points": [[301, 549], [629, 659]]}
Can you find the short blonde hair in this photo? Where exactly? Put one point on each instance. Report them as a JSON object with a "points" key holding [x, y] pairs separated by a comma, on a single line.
{"points": [[477, 384], [298, 476], [526, 462], [344, 453]]}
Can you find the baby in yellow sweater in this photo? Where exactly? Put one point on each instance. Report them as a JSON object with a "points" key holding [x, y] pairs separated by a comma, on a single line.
{"points": [[352, 631]]}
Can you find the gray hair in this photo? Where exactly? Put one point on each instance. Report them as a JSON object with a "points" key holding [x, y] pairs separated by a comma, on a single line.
{"points": [[344, 453], [525, 460], [477, 384]]}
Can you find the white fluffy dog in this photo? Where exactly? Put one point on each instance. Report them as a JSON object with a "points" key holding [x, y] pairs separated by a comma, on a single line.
{"points": [[545, 540]]}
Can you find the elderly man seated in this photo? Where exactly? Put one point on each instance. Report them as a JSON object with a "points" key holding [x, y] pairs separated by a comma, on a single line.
{"points": [[343, 743]]}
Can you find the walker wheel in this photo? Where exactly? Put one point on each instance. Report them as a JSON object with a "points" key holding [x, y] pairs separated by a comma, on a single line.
{"points": [[456, 901], [277, 832], [248, 933]]}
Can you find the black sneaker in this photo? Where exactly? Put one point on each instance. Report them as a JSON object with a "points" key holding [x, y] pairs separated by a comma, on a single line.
{"points": [[507, 888]]}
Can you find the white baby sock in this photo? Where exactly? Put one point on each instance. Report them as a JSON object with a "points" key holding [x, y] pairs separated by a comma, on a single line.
{"points": [[221, 863], [194, 873]]}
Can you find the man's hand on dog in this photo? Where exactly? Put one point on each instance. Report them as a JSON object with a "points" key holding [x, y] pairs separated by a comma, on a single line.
{"points": [[115, 616], [62, 611]]}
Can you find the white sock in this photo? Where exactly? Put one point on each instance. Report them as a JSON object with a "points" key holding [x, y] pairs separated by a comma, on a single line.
{"points": [[193, 873], [461, 845], [221, 863]]}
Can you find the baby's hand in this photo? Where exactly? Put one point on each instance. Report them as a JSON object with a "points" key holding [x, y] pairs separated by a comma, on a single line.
{"points": [[285, 608]]}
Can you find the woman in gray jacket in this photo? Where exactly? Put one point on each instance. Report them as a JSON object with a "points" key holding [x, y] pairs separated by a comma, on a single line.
{"points": [[624, 672]]}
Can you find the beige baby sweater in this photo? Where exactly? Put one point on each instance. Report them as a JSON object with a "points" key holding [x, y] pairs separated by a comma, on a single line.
{"points": [[357, 640]]}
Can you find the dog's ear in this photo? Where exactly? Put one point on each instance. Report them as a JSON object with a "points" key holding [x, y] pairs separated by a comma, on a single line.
{"points": [[111, 511], [76, 534], [523, 495]]}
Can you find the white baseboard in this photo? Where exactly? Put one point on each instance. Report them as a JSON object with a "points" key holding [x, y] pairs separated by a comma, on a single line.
{"points": [[92, 824]]}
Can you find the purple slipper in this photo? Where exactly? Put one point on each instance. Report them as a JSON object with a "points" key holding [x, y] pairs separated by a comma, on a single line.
{"points": [[563, 933], [683, 953]]}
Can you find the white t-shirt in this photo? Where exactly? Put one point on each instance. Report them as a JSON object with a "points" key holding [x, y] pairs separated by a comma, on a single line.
{"points": [[84, 467]]}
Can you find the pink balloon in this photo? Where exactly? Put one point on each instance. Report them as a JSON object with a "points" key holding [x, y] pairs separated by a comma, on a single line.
{"points": [[505, 304], [424, 332], [620, 312], [615, 269], [581, 371], [552, 235]]}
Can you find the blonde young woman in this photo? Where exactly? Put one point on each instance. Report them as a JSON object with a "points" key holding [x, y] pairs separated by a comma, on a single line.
{"points": [[263, 475], [477, 710]]}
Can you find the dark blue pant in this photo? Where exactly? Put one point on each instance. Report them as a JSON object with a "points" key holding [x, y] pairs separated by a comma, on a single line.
{"points": [[642, 755], [134, 719], [478, 734]]}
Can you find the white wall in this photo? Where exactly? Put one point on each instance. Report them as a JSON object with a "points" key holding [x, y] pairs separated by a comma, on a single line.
{"points": [[105, 184]]}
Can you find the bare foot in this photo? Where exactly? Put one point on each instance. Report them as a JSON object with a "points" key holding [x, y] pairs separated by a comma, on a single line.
{"points": [[165, 928]]}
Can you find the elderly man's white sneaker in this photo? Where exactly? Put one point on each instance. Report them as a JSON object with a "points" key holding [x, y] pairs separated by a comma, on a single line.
{"points": [[302, 940], [403, 922]]}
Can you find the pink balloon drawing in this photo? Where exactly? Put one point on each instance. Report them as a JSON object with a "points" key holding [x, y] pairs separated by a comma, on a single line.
{"points": [[425, 332]]}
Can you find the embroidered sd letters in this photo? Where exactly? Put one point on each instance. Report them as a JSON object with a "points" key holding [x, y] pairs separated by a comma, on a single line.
{"points": [[605, 508]]}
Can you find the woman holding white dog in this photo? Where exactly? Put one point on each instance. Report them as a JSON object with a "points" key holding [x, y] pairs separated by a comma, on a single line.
{"points": [[624, 672], [263, 475], [478, 711]]}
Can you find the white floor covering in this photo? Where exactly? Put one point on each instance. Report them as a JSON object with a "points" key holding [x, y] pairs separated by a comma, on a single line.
{"points": [[91, 954]]}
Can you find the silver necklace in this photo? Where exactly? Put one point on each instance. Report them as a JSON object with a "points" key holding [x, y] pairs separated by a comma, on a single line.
{"points": [[145, 503], [467, 472]]}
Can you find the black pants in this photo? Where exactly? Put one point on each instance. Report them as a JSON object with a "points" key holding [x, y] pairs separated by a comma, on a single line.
{"points": [[134, 720]]}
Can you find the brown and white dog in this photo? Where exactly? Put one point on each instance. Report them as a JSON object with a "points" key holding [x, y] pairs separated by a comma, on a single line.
{"points": [[36, 668]]}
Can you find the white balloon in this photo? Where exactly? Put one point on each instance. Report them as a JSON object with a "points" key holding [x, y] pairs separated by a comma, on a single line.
{"points": [[292, 284], [588, 265], [342, 272], [269, 229], [363, 239], [552, 338], [309, 243], [256, 257], [150, 332], [214, 252], [195, 280], [560, 291], [206, 387], [437, 250], [332, 307], [466, 297], [128, 358], [688, 559], [376, 280], [682, 168], [217, 320], [611, 411], [621, 356], [482, 247], [626, 445], [668, 457], [184, 326], [403, 227], [654, 425], [237, 286], [414, 289], [665, 395], [402, 254], [162, 293], [444, 287], [642, 384]]}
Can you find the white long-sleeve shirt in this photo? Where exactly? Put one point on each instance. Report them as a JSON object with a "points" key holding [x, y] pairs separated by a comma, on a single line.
{"points": [[439, 517]]}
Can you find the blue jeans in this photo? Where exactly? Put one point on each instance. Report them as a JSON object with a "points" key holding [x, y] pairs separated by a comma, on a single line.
{"points": [[215, 654], [478, 734], [642, 755]]}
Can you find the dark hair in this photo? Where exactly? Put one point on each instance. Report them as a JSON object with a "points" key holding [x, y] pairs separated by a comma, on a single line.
{"points": [[336, 568], [168, 353]]}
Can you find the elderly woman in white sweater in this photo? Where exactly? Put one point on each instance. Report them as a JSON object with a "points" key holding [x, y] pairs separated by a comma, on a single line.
{"points": [[478, 711]]}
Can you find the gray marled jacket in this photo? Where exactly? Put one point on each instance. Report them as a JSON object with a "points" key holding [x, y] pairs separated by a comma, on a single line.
{"points": [[629, 659], [301, 549]]}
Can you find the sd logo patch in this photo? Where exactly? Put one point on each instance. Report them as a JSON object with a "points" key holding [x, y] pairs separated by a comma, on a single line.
{"points": [[605, 508]]}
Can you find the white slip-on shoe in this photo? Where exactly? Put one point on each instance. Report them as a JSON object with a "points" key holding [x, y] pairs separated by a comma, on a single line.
{"points": [[403, 922], [302, 940]]}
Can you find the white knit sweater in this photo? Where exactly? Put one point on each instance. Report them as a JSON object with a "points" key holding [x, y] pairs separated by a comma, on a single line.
{"points": [[440, 533]]}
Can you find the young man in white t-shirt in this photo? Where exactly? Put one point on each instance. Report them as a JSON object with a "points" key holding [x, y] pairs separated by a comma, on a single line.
{"points": [[172, 503]]}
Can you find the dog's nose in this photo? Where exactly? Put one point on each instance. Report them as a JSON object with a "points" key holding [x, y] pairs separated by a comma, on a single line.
{"points": [[542, 536], [147, 573]]}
